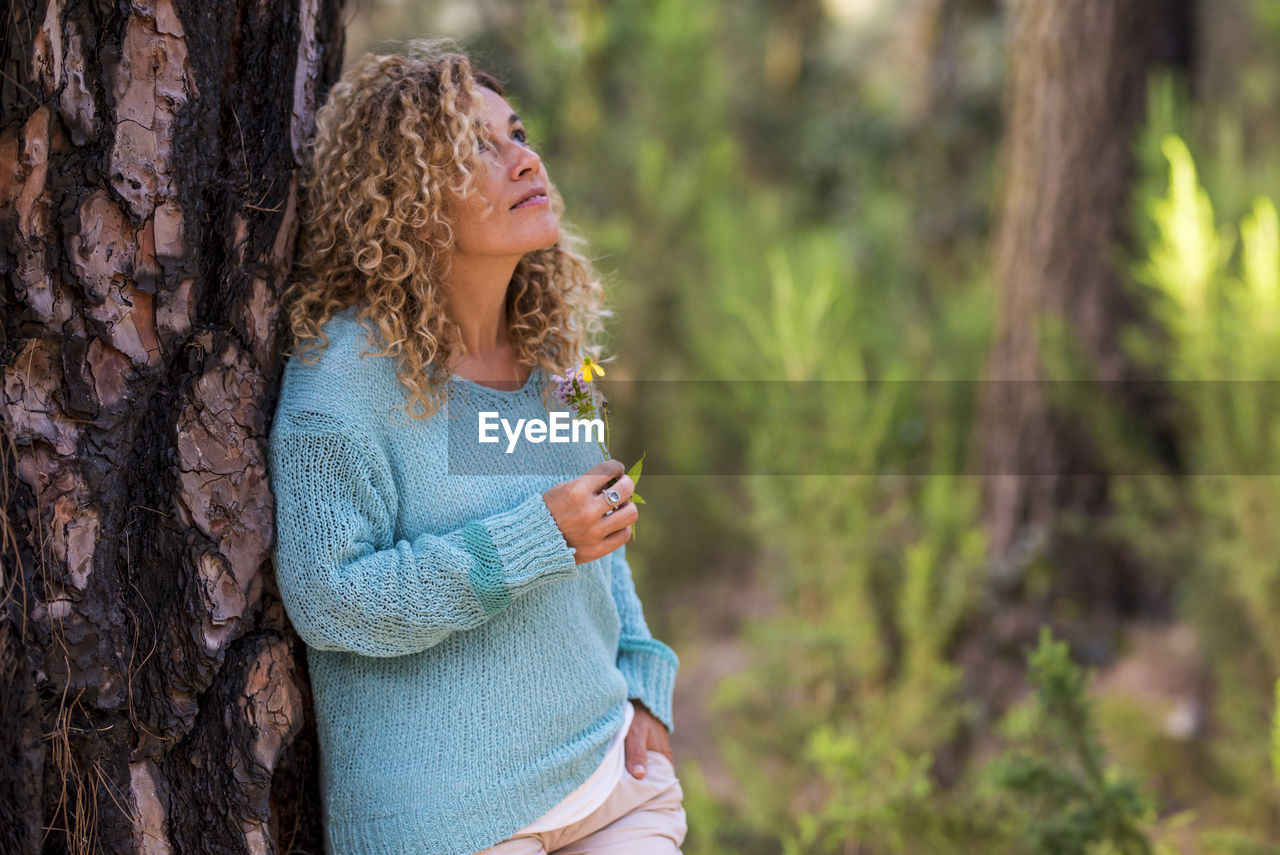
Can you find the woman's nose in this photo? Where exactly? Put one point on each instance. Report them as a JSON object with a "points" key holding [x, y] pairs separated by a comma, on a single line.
{"points": [[524, 161]]}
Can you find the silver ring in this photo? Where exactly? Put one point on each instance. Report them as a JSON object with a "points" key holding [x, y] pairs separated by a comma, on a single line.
{"points": [[613, 497]]}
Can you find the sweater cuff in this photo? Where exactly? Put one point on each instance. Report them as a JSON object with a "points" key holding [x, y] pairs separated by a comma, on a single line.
{"points": [[649, 667], [517, 550]]}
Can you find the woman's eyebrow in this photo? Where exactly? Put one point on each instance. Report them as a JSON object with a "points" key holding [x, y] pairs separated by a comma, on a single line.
{"points": [[514, 118]]}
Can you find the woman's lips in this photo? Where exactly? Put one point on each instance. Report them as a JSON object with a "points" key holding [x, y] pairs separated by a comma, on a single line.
{"points": [[540, 199]]}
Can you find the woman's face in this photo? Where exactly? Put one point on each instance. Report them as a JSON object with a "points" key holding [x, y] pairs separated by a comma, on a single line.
{"points": [[521, 219]]}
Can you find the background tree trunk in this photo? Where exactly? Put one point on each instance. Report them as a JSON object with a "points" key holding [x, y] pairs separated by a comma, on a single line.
{"points": [[1079, 72], [152, 697]]}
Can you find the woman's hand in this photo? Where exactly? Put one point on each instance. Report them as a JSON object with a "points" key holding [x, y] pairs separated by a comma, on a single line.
{"points": [[646, 734], [582, 512]]}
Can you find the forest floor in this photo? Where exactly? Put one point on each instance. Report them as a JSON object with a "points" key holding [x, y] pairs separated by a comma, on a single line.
{"points": [[712, 644]]}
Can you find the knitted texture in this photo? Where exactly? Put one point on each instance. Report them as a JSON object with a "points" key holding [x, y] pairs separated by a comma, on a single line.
{"points": [[467, 675]]}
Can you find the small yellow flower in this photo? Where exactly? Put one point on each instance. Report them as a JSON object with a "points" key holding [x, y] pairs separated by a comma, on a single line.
{"points": [[589, 367]]}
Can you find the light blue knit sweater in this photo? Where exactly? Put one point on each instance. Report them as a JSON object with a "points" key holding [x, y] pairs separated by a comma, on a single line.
{"points": [[467, 674]]}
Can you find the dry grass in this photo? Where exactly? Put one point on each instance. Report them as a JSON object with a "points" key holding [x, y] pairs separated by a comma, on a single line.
{"points": [[77, 804]]}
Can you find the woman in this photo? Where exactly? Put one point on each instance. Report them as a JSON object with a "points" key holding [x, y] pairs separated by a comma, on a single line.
{"points": [[481, 667]]}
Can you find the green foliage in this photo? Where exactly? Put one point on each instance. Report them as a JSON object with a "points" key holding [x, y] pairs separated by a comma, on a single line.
{"points": [[1214, 288], [852, 692], [1062, 796], [1220, 311]]}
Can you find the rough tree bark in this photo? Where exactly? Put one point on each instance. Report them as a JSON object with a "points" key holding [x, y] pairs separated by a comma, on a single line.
{"points": [[1079, 72], [152, 696]]}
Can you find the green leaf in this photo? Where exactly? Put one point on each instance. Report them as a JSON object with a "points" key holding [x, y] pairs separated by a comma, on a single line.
{"points": [[635, 497], [634, 472]]}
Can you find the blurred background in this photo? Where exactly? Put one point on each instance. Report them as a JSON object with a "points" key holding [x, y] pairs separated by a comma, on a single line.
{"points": [[1036, 245]]}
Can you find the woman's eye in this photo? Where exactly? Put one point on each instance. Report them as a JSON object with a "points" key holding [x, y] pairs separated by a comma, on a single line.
{"points": [[486, 144]]}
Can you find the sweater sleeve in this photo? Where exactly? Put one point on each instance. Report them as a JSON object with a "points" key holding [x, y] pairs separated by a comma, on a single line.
{"points": [[648, 665], [347, 585]]}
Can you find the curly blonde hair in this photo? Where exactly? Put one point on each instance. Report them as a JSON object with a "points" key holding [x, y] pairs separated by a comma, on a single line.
{"points": [[396, 139]]}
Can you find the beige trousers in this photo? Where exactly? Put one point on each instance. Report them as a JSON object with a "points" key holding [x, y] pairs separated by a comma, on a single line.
{"points": [[641, 817]]}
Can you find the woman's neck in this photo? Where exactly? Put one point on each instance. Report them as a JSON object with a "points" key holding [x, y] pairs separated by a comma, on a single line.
{"points": [[477, 289]]}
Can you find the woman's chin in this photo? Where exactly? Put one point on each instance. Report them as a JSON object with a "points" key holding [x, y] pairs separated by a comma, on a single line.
{"points": [[550, 237]]}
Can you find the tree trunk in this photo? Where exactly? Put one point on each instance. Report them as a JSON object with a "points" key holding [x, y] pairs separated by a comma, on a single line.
{"points": [[153, 697], [1078, 83]]}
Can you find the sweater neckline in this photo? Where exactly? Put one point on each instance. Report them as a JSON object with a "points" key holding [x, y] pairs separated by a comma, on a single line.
{"points": [[529, 384]]}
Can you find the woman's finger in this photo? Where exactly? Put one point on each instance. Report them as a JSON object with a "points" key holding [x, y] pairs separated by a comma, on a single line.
{"points": [[602, 473], [617, 524], [635, 750], [625, 487]]}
